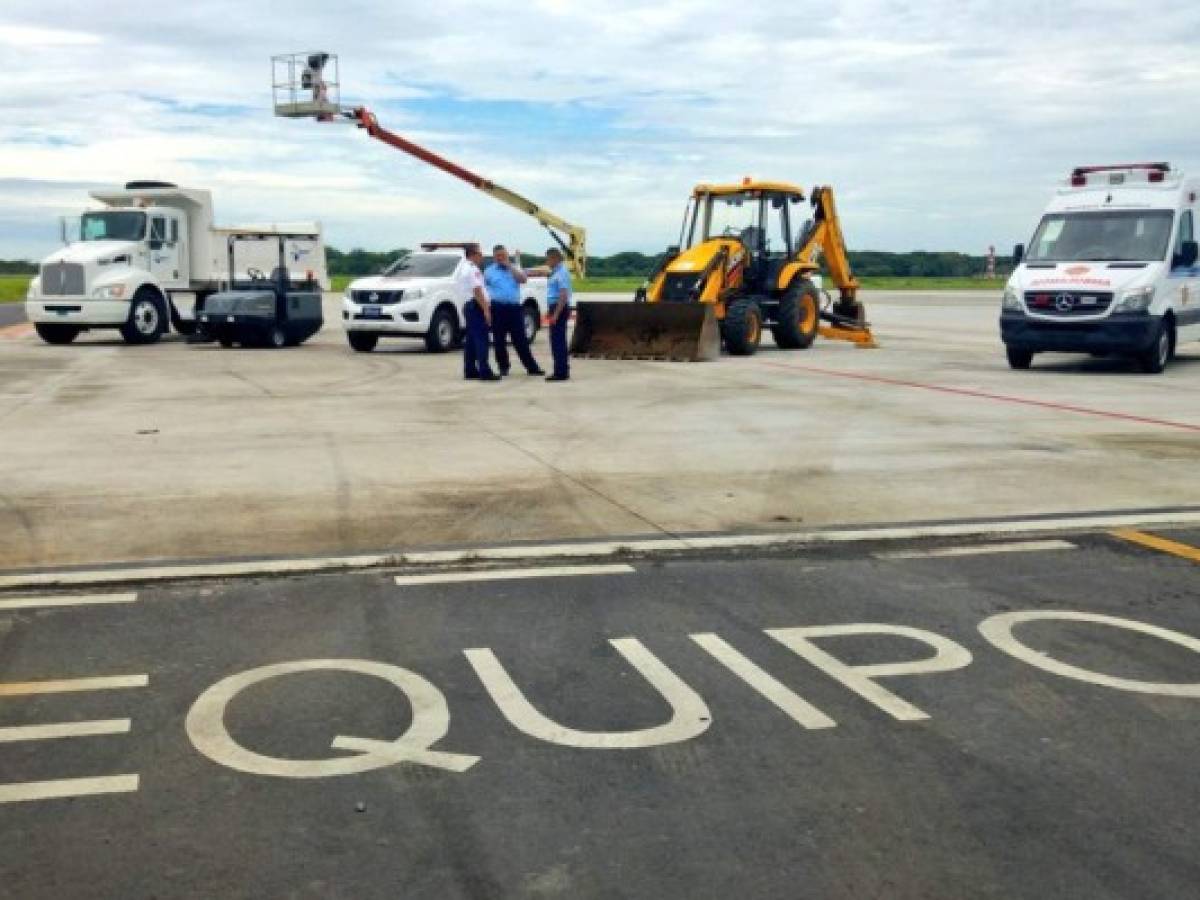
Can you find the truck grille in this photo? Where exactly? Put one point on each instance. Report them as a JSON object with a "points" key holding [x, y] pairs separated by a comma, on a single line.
{"points": [[1068, 304], [62, 280], [679, 288], [383, 298]]}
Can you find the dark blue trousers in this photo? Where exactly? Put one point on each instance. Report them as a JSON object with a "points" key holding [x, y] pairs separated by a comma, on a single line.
{"points": [[558, 345], [475, 342], [508, 323]]}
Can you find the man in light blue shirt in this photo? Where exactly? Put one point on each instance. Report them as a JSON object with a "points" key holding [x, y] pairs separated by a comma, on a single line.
{"points": [[558, 298], [504, 280]]}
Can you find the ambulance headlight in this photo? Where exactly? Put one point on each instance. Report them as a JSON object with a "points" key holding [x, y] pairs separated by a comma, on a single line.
{"points": [[1012, 300], [1137, 300], [109, 292]]}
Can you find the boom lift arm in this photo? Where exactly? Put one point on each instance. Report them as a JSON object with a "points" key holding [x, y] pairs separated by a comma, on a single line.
{"points": [[571, 238]]}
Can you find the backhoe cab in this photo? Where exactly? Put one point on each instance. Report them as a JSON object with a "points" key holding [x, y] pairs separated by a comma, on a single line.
{"points": [[748, 260]]}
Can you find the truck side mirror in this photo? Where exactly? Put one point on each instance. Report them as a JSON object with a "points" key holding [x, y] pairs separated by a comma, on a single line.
{"points": [[1018, 254], [1188, 253]]}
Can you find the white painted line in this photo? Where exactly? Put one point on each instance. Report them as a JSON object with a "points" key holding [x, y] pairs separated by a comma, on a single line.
{"points": [[67, 787], [514, 574], [63, 730], [980, 550], [800, 710], [528, 553], [74, 600], [66, 686]]}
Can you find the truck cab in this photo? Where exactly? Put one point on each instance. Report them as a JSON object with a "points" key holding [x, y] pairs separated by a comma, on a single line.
{"points": [[1111, 269], [418, 296]]}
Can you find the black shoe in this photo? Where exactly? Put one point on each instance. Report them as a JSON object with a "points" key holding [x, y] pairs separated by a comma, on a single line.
{"points": [[558, 377], [504, 373], [471, 377], [490, 376], [536, 373]]}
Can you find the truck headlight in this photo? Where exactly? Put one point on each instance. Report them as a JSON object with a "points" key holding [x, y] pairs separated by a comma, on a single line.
{"points": [[1012, 300], [109, 292], [1137, 300]]}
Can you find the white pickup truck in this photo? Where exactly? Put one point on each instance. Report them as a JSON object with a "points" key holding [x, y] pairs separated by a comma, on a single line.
{"points": [[417, 297], [1111, 269], [147, 258]]}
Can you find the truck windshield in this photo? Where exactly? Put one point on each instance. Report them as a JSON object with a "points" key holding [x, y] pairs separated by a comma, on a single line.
{"points": [[423, 265], [113, 226], [1109, 236]]}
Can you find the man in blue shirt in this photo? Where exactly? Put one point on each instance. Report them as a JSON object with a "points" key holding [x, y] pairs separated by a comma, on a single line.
{"points": [[504, 280], [558, 298]]}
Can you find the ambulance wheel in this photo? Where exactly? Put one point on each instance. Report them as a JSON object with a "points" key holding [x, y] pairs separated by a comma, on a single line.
{"points": [[57, 334], [743, 327], [1018, 358], [1153, 360], [147, 321], [362, 341], [799, 316], [443, 331]]}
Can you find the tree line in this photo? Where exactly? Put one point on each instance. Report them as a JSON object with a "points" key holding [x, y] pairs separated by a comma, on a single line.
{"points": [[630, 264]]}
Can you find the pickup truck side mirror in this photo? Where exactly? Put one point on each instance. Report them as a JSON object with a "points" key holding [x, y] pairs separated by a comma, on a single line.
{"points": [[1018, 254], [1188, 253]]}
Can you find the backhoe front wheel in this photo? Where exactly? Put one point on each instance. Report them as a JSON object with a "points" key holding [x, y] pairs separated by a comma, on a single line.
{"points": [[743, 327], [799, 316]]}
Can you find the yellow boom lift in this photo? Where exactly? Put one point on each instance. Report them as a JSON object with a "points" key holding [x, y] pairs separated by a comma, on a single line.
{"points": [[746, 261], [306, 85]]}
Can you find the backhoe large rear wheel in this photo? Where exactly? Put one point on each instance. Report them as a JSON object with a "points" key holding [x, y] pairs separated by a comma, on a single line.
{"points": [[799, 316], [743, 327]]}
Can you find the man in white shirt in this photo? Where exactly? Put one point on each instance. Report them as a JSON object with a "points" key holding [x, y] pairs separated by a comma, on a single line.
{"points": [[477, 310]]}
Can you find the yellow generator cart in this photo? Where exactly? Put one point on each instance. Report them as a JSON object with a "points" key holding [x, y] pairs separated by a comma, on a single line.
{"points": [[748, 260]]}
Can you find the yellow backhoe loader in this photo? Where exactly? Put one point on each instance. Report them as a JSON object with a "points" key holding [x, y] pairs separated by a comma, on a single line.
{"points": [[746, 261]]}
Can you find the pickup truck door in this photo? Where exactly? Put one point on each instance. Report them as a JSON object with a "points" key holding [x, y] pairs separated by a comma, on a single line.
{"points": [[1184, 283]]}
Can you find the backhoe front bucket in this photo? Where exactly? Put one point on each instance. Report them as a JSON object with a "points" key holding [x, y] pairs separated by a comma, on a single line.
{"points": [[678, 332]]}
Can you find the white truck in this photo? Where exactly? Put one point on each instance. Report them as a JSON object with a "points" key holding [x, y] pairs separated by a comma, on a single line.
{"points": [[1111, 269], [418, 297], [146, 258]]}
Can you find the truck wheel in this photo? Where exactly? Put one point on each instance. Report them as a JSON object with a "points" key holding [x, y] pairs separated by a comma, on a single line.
{"points": [[532, 321], [1154, 358], [362, 341], [799, 316], [443, 331], [57, 334], [743, 327], [1018, 358], [146, 319]]}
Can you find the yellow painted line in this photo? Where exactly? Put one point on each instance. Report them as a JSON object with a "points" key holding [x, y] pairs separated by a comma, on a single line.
{"points": [[67, 787], [112, 683], [1175, 548]]}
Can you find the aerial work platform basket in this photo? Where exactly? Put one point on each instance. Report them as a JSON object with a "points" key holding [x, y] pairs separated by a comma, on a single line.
{"points": [[306, 85]]}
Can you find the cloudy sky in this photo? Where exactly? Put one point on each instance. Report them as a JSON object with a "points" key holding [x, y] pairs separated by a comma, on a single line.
{"points": [[941, 125]]}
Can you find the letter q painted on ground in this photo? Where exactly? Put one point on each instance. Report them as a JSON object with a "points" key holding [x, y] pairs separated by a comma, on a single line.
{"points": [[861, 679], [689, 714], [430, 722], [999, 631]]}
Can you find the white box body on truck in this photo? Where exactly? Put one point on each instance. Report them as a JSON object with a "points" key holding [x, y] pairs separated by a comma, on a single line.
{"points": [[145, 260], [1111, 269], [418, 297]]}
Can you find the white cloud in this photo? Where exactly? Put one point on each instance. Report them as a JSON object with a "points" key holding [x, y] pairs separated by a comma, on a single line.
{"points": [[942, 125]]}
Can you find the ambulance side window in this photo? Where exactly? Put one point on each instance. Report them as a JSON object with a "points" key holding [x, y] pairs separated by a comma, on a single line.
{"points": [[1186, 233]]}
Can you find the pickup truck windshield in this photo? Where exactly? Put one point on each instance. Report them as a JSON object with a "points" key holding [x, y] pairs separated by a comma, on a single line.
{"points": [[113, 226], [423, 265], [1109, 236]]}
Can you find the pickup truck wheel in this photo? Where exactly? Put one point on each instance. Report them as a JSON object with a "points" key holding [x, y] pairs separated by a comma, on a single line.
{"points": [[362, 341], [1018, 358], [225, 342], [1153, 360], [146, 322], [57, 334], [532, 321], [277, 338], [443, 331]]}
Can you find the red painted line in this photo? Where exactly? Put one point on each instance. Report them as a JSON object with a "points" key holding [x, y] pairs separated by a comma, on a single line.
{"points": [[985, 395]]}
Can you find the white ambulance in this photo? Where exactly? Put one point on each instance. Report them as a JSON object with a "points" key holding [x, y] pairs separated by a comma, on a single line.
{"points": [[1111, 269]]}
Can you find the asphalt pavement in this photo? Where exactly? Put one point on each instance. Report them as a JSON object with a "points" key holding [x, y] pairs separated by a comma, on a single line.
{"points": [[626, 731], [11, 314]]}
